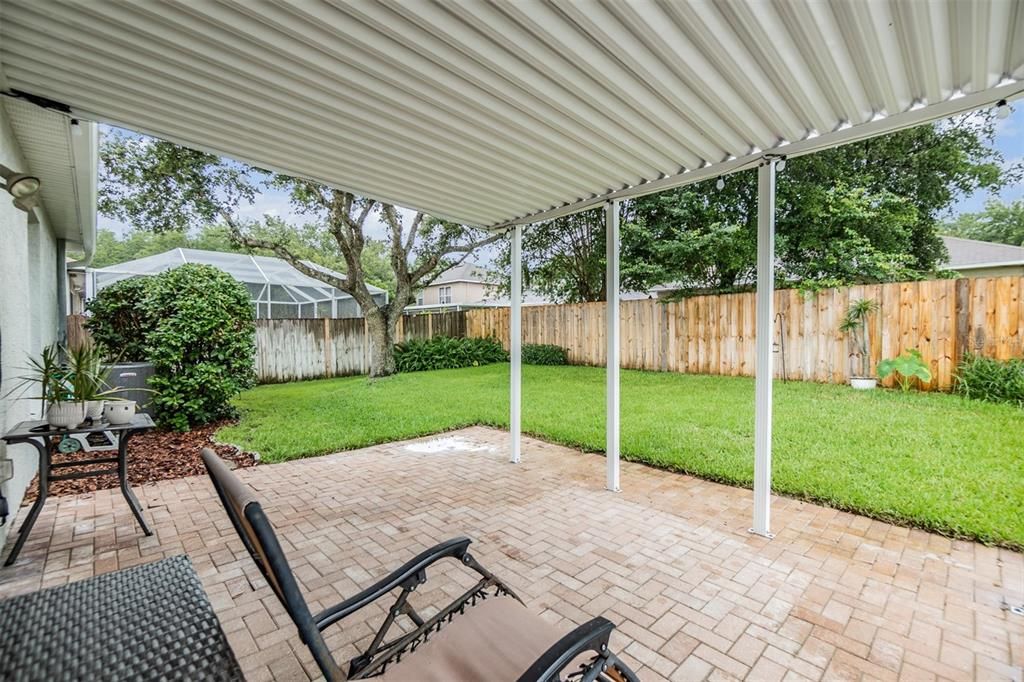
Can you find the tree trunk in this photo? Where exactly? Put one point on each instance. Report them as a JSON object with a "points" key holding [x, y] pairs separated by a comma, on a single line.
{"points": [[381, 330]]}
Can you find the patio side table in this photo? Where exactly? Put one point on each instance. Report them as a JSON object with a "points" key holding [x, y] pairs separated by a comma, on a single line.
{"points": [[149, 622], [40, 434]]}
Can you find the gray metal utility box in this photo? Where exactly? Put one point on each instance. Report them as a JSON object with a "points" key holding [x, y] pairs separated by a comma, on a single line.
{"points": [[133, 376]]}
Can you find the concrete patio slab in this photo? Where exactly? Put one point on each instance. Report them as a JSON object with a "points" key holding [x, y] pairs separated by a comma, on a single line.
{"points": [[669, 559]]}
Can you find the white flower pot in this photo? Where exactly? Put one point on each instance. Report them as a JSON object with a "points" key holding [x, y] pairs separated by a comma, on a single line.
{"points": [[65, 415], [119, 412], [863, 383], [94, 409]]}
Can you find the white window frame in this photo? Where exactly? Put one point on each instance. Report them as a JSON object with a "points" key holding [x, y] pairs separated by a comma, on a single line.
{"points": [[444, 295]]}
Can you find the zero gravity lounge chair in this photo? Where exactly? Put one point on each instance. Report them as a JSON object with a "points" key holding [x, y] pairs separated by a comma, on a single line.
{"points": [[485, 634]]}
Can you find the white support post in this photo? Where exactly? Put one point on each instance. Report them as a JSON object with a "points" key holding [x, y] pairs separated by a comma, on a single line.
{"points": [[516, 346], [611, 217], [763, 368]]}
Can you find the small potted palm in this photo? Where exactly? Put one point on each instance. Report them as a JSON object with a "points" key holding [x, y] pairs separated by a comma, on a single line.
{"points": [[56, 392], [69, 390], [87, 374], [855, 323]]}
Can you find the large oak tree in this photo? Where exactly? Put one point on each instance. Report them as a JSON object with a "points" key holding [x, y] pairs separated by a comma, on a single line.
{"points": [[159, 186]]}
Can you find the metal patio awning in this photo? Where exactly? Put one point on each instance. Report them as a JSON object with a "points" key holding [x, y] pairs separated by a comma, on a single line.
{"points": [[499, 114], [493, 113]]}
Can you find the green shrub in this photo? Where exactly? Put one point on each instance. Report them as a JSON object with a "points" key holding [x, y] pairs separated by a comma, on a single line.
{"points": [[443, 352], [544, 354], [998, 381], [119, 320], [202, 344]]}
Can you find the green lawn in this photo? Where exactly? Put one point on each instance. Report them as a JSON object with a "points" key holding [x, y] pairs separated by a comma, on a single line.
{"points": [[930, 460]]}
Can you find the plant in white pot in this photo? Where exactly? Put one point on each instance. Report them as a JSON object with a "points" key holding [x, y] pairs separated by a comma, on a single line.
{"points": [[68, 389], [60, 407], [87, 374], [855, 323]]}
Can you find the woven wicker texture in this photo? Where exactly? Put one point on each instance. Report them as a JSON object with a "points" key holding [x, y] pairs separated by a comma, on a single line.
{"points": [[151, 622]]}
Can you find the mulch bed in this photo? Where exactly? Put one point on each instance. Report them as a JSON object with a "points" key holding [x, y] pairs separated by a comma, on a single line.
{"points": [[152, 456]]}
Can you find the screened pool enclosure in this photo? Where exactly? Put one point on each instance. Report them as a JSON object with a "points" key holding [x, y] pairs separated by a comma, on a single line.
{"points": [[277, 289]]}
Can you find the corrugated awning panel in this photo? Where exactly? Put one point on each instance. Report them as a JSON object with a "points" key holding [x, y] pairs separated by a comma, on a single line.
{"points": [[488, 112]]}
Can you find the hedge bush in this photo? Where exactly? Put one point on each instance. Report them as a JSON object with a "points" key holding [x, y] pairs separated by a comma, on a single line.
{"points": [[998, 381], [202, 344], [443, 352], [119, 319], [544, 354], [195, 325]]}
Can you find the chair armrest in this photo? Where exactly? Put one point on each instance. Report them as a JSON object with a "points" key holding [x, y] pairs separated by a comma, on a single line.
{"points": [[411, 572], [591, 636]]}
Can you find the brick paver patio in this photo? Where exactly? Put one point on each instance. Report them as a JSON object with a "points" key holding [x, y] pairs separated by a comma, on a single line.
{"points": [[669, 559]]}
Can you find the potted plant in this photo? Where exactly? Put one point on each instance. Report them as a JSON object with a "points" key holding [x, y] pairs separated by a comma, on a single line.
{"points": [[87, 374], [855, 323], [56, 393], [68, 389]]}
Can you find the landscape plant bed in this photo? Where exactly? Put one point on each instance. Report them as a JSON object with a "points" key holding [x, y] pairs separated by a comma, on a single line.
{"points": [[153, 456], [930, 460]]}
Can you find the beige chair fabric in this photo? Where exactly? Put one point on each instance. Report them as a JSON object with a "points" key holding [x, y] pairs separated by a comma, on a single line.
{"points": [[496, 640]]}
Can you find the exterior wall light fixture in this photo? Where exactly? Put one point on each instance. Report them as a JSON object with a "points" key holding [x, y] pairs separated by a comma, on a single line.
{"points": [[23, 187]]}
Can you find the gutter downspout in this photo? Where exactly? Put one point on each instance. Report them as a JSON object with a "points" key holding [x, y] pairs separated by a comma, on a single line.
{"points": [[62, 291]]}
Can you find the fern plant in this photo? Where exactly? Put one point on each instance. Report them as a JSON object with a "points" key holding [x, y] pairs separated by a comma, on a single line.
{"points": [[998, 381]]}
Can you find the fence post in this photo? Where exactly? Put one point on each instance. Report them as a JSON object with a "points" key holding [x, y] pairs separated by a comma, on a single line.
{"points": [[328, 349], [962, 341]]}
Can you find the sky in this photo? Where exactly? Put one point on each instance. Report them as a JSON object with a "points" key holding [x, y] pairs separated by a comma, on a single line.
{"points": [[1009, 140]]}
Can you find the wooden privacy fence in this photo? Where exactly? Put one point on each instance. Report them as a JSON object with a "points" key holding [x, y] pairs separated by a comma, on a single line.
{"points": [[702, 334], [289, 350], [716, 334]]}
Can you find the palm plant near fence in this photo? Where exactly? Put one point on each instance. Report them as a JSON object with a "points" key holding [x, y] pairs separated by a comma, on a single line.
{"points": [[855, 323]]}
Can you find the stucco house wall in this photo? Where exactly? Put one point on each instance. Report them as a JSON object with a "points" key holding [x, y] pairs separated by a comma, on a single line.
{"points": [[28, 314]]}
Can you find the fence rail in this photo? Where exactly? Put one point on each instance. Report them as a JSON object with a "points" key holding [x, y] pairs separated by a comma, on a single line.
{"points": [[702, 334]]}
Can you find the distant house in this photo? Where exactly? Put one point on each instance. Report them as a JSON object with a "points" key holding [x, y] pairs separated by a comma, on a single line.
{"points": [[278, 290], [465, 286], [974, 258]]}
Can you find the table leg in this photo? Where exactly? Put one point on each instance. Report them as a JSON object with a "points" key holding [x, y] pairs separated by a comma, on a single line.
{"points": [[43, 447], [122, 475]]}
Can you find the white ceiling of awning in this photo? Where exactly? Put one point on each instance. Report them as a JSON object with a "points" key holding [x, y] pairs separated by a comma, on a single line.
{"points": [[499, 112]]}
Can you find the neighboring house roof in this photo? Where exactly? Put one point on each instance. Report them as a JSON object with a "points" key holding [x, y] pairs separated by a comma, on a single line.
{"points": [[241, 266], [62, 153], [464, 272], [967, 254]]}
